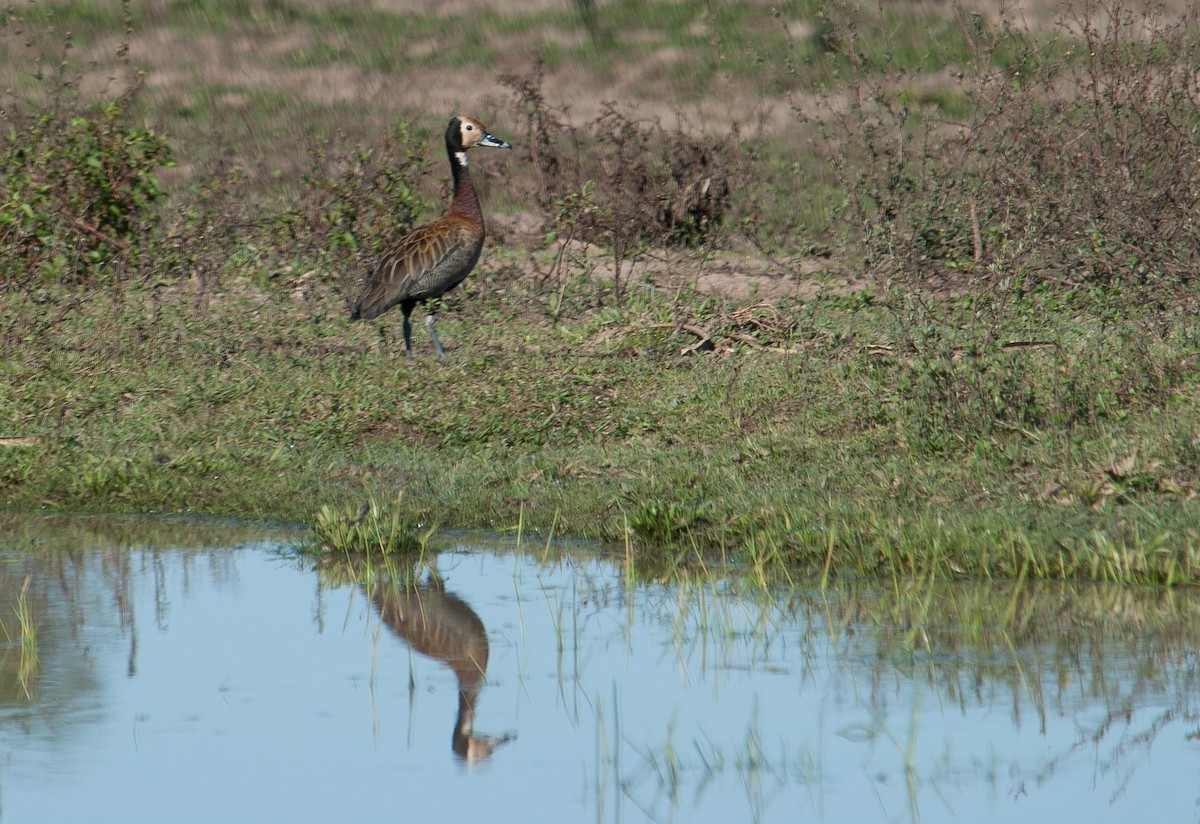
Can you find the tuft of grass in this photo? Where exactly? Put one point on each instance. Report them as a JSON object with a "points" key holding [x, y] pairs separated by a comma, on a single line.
{"points": [[29, 662], [23, 639], [372, 532]]}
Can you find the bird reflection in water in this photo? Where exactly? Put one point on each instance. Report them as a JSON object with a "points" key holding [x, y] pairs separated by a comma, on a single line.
{"points": [[440, 625]]}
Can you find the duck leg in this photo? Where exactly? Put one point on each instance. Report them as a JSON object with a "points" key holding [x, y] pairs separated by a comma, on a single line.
{"points": [[407, 331], [437, 344]]}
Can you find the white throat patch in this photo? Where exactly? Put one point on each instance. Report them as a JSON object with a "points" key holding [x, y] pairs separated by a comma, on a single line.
{"points": [[461, 157]]}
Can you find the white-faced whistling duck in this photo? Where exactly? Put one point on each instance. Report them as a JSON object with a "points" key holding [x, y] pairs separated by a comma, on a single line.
{"points": [[434, 258]]}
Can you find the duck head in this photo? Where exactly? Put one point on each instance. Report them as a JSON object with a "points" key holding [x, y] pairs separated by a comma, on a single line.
{"points": [[466, 133]]}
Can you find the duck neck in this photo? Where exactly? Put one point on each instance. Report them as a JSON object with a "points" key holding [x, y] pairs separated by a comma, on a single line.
{"points": [[464, 724], [465, 202]]}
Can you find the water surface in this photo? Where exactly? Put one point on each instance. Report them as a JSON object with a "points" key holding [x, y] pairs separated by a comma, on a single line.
{"points": [[196, 671]]}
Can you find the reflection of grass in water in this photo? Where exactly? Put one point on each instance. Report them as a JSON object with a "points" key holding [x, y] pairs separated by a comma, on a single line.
{"points": [[607, 763], [1026, 645], [65, 573], [928, 774], [77, 532], [711, 621], [1035, 645], [666, 768]]}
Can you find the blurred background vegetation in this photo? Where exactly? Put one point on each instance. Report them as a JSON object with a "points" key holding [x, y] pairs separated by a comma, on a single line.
{"points": [[933, 143]]}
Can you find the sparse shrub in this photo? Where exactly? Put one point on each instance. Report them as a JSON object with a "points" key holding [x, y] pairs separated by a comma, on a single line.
{"points": [[352, 203], [1078, 165], [1089, 166], [544, 131], [647, 187], [636, 184], [663, 186], [217, 226], [698, 178], [80, 199]]}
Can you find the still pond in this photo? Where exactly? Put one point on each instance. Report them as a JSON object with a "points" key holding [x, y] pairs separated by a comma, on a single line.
{"points": [[182, 670]]}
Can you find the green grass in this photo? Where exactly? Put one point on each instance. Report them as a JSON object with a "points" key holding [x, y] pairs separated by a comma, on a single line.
{"points": [[953, 458]]}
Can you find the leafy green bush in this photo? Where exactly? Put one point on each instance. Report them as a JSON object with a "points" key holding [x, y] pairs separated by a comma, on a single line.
{"points": [[77, 191], [80, 200]]}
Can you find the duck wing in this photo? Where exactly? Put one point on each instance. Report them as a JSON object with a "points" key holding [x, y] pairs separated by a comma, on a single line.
{"points": [[426, 263]]}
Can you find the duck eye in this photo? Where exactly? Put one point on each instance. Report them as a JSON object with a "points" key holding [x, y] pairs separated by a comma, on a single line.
{"points": [[470, 128]]}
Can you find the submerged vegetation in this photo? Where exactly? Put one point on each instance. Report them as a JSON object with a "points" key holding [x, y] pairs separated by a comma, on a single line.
{"points": [[940, 324]]}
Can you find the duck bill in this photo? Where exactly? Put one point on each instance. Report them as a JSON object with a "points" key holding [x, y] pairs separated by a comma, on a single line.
{"points": [[493, 142]]}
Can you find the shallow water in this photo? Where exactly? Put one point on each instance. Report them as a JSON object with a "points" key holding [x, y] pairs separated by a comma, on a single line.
{"points": [[194, 671]]}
